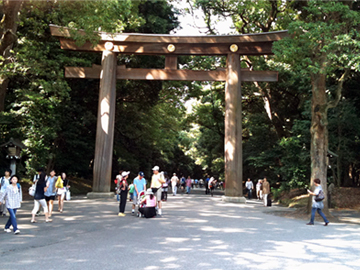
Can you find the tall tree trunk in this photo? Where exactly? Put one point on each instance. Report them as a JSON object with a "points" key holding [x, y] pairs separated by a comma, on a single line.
{"points": [[8, 27], [319, 134]]}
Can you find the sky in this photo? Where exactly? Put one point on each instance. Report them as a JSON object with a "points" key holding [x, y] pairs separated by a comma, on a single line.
{"points": [[195, 25]]}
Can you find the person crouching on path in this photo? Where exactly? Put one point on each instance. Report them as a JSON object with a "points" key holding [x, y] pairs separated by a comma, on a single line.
{"points": [[139, 186], [13, 195], [149, 210], [157, 180], [317, 205], [123, 193], [39, 198]]}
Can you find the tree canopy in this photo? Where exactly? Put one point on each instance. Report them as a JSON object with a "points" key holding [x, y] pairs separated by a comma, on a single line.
{"points": [[180, 125]]}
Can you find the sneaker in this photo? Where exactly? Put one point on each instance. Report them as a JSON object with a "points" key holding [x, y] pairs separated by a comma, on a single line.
{"points": [[48, 220], [121, 215], [326, 223], [17, 232], [7, 230], [133, 213], [309, 223]]}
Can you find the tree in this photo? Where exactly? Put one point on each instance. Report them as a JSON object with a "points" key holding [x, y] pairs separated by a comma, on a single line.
{"points": [[8, 26], [323, 43]]}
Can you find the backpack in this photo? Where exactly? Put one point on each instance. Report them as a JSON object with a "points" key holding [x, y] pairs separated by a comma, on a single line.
{"points": [[320, 196]]}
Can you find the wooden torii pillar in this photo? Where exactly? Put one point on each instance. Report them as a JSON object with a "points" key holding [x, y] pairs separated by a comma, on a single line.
{"points": [[170, 46]]}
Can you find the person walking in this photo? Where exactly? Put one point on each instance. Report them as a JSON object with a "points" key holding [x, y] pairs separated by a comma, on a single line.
{"points": [[207, 185], [157, 180], [139, 186], [258, 189], [266, 191], [51, 191], [62, 185], [123, 187], [39, 198], [165, 187], [212, 185], [317, 202], [4, 183], [13, 198], [249, 186], [174, 183], [188, 185]]}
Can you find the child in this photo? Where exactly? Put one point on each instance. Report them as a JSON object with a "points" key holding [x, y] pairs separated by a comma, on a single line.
{"points": [[149, 210], [13, 200], [131, 192]]}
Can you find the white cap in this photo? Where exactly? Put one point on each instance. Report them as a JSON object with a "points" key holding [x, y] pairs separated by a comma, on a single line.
{"points": [[156, 168], [123, 174]]}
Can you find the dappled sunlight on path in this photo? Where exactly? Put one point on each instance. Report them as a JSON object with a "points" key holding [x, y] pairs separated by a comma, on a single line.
{"points": [[195, 232]]}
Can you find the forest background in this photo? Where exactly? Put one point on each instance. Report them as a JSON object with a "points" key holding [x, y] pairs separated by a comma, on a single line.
{"points": [[56, 117]]}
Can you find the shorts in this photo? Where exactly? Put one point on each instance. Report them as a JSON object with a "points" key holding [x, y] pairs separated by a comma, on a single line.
{"points": [[50, 198], [158, 194], [134, 199]]}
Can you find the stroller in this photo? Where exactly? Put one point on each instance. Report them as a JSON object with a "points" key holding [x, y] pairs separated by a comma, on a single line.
{"points": [[140, 205]]}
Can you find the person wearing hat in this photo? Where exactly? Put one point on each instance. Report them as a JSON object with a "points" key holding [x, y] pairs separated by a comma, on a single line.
{"points": [[149, 210], [123, 193], [140, 185], [157, 180]]}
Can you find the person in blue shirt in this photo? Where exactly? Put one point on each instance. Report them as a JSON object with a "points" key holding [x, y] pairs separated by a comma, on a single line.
{"points": [[51, 191], [207, 185], [4, 183], [140, 185]]}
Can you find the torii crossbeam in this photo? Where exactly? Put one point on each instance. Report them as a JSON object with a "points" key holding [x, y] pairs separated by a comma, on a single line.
{"points": [[170, 46]]}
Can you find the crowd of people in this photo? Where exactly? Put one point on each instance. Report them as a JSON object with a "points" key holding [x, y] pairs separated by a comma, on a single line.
{"points": [[148, 201], [45, 190]]}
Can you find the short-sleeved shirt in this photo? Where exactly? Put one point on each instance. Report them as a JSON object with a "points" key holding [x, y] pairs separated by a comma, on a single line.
{"points": [[131, 188], [188, 182], [316, 204], [139, 184], [39, 192], [155, 180], [4, 183], [51, 191]]}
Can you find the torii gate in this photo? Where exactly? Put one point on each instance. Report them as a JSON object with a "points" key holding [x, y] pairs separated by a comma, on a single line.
{"points": [[170, 46]]}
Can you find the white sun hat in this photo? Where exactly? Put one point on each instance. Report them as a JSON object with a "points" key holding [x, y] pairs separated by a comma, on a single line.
{"points": [[123, 174]]}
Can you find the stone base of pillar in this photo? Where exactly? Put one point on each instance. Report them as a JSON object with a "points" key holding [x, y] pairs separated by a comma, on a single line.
{"points": [[99, 195], [233, 199]]}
